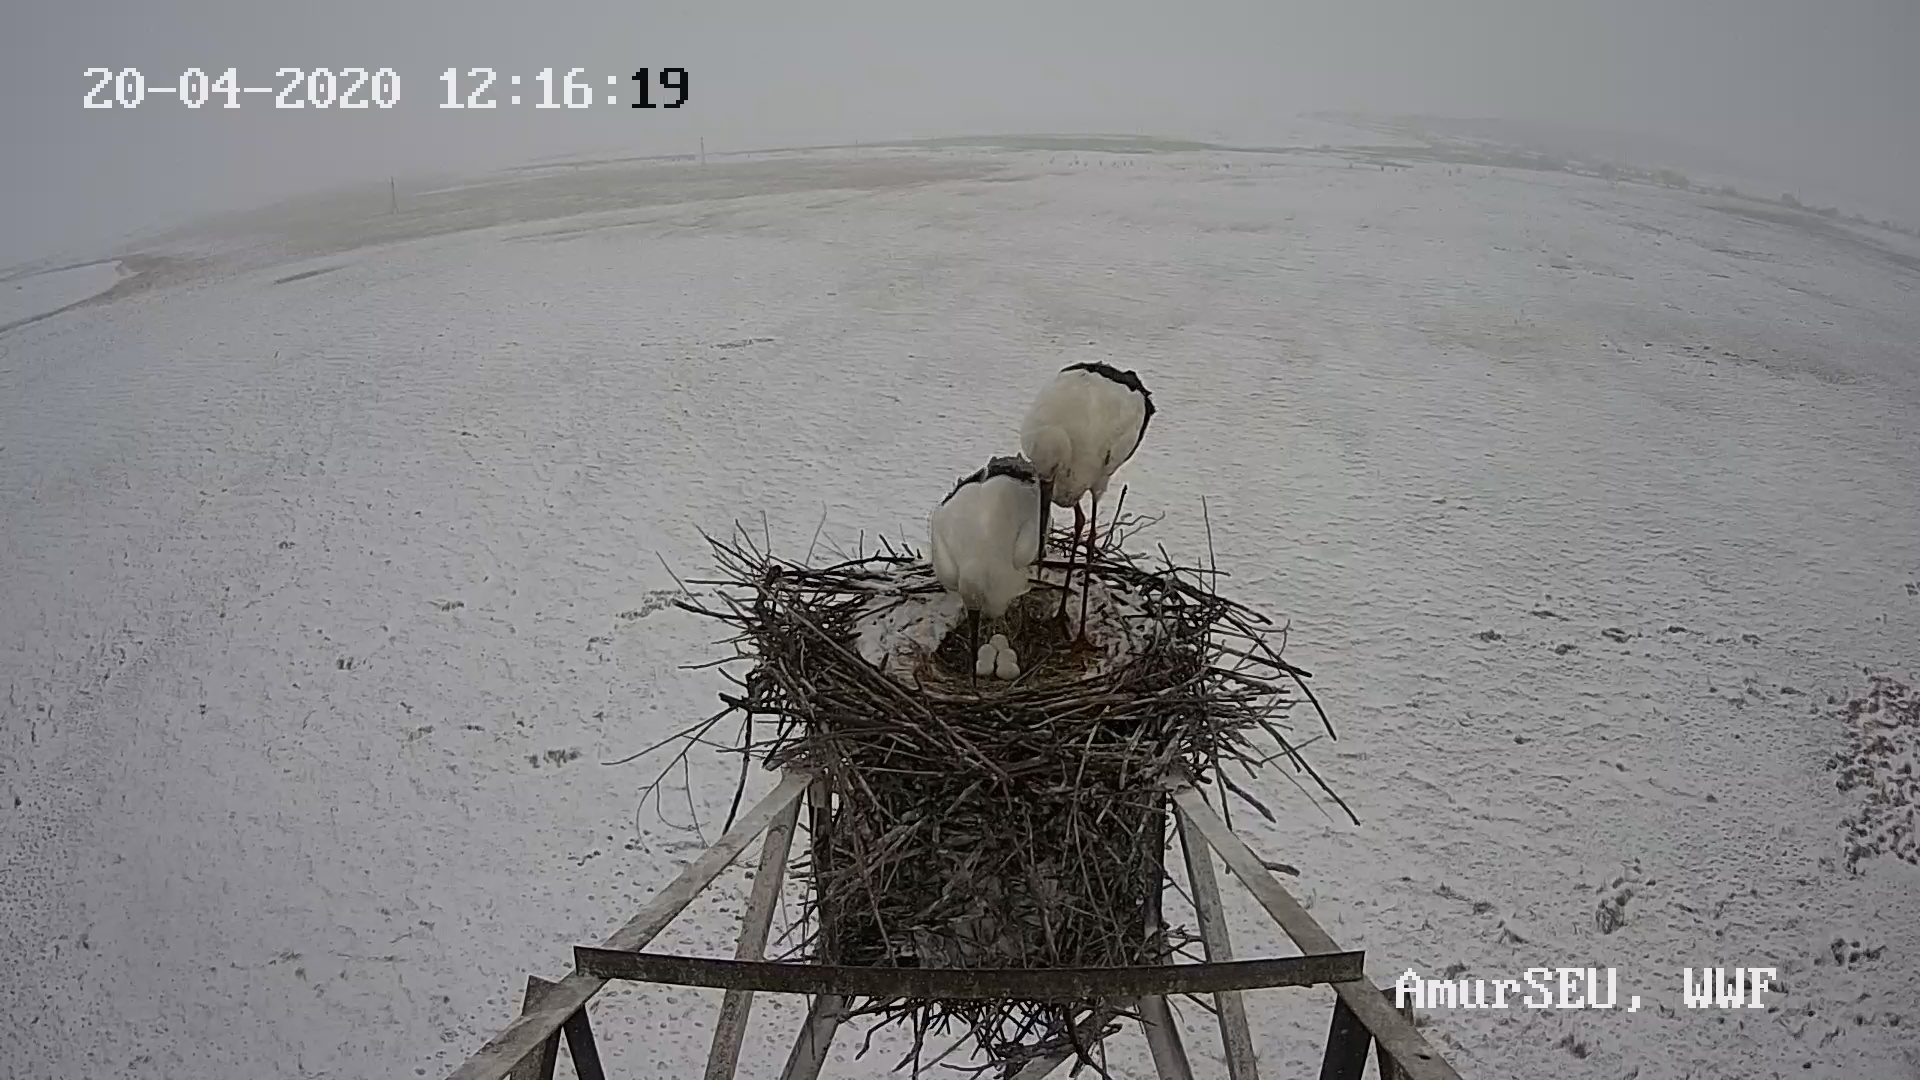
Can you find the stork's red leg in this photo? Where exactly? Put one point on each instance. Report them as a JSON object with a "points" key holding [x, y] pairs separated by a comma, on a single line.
{"points": [[1086, 576], [973, 639], [1073, 549], [1093, 526]]}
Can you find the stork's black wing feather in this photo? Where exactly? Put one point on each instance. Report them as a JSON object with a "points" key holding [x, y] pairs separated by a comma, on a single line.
{"points": [[1015, 466], [1125, 378]]}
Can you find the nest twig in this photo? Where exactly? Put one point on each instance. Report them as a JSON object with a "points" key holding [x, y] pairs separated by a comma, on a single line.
{"points": [[1004, 825]]}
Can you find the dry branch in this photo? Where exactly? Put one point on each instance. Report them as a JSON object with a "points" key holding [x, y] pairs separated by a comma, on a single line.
{"points": [[1004, 825]]}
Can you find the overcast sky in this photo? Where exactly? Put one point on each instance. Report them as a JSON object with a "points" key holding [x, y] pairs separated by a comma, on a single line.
{"points": [[1824, 96]]}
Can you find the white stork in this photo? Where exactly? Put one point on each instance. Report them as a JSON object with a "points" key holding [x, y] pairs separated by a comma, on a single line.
{"points": [[986, 538], [1084, 425]]}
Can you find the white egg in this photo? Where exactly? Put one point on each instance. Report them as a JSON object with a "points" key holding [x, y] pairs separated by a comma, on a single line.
{"points": [[984, 661]]}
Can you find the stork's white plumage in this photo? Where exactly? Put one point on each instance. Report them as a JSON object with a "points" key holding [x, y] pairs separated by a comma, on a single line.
{"points": [[1084, 425], [986, 537]]}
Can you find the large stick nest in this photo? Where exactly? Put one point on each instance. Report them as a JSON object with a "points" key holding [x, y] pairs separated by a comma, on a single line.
{"points": [[997, 824]]}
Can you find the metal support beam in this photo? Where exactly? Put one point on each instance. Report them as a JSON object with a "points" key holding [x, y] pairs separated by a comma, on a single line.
{"points": [[580, 1045], [1409, 1049], [1364, 1015], [539, 1064], [809, 1053], [1163, 1040], [1156, 1019], [723, 1059], [1389, 1068], [1236, 1038], [526, 1034], [1348, 1041]]}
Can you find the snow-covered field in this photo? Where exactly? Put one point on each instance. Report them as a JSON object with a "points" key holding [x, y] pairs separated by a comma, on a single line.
{"points": [[331, 567]]}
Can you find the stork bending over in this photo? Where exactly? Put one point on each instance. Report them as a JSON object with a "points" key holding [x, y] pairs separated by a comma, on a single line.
{"points": [[986, 538], [1084, 425]]}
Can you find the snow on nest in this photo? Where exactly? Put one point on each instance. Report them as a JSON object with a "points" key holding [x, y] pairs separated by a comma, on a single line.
{"points": [[905, 622]]}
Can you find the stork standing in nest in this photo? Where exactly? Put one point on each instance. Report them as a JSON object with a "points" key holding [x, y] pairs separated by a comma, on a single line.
{"points": [[986, 538], [1084, 425]]}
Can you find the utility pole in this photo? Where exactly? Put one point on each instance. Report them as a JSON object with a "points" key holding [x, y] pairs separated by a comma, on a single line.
{"points": [[703, 149], [393, 197]]}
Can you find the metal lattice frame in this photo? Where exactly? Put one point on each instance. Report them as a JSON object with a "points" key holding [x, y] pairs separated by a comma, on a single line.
{"points": [[1363, 1016]]}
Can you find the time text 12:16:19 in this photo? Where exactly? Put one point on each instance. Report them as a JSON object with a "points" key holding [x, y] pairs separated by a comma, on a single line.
{"points": [[483, 88]]}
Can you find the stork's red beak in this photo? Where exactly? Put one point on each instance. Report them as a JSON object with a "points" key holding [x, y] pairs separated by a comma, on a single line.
{"points": [[1046, 515]]}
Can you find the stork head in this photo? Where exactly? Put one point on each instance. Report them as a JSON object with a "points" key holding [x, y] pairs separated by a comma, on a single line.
{"points": [[1049, 450], [1012, 466]]}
